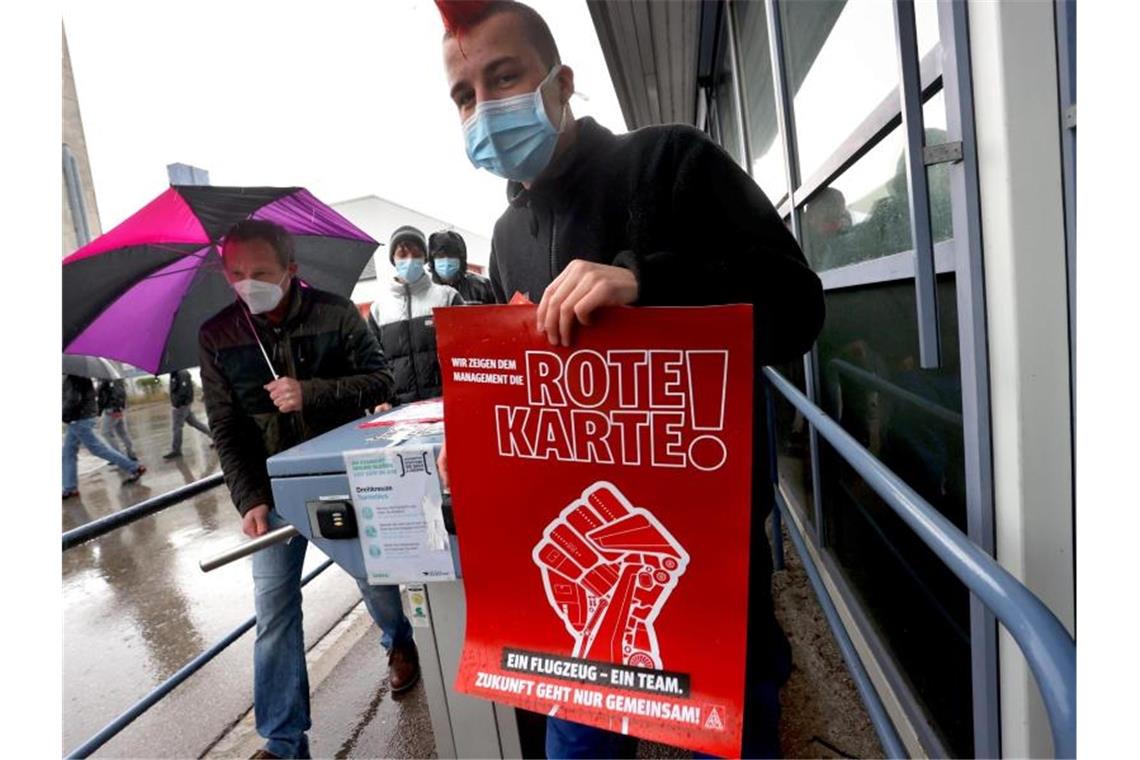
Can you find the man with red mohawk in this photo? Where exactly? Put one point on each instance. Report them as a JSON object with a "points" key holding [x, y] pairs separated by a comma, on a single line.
{"points": [[657, 217]]}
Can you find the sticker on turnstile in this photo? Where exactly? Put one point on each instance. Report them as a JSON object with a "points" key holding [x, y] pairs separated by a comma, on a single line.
{"points": [[399, 510], [417, 606]]}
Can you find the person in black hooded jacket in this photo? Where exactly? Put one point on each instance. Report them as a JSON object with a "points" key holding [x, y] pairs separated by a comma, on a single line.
{"points": [[79, 411], [661, 216], [447, 253]]}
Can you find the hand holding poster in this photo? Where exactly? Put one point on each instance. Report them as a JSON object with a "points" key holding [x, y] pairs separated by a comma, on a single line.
{"points": [[602, 502]]}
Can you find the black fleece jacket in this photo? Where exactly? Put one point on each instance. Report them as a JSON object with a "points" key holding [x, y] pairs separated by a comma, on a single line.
{"points": [[668, 204], [671, 206]]}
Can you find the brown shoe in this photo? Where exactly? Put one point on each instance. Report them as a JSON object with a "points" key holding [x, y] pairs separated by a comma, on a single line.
{"points": [[264, 754], [403, 667]]}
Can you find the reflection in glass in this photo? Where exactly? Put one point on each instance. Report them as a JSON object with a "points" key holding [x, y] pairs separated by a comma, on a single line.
{"points": [[865, 212], [760, 94], [793, 453], [842, 62], [910, 419], [938, 175]]}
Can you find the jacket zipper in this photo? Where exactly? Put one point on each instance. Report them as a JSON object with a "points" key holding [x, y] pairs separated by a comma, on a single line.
{"points": [[285, 346], [411, 345], [553, 244]]}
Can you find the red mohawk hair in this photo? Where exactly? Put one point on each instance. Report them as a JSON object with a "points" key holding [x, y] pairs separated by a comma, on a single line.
{"points": [[461, 15]]}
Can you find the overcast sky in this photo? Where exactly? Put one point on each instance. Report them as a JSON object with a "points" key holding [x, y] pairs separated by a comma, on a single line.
{"points": [[344, 98]]}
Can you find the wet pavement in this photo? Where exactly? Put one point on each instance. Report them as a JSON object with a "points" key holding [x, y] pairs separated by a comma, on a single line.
{"points": [[137, 608], [355, 714]]}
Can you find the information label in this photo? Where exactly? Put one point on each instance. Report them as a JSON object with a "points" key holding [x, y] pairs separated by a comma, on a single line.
{"points": [[399, 512]]}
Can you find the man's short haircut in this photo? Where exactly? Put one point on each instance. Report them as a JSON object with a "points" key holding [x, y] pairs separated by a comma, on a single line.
{"points": [[461, 15], [277, 236]]}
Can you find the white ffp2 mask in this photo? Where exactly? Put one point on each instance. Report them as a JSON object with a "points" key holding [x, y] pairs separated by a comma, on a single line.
{"points": [[260, 296]]}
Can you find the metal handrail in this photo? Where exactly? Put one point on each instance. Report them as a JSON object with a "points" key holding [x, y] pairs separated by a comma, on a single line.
{"points": [[104, 525], [937, 411], [1046, 644], [881, 722], [157, 693]]}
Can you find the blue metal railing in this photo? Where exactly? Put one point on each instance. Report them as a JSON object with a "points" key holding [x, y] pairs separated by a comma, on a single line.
{"points": [[157, 693], [116, 520], [884, 727], [1046, 644], [104, 525]]}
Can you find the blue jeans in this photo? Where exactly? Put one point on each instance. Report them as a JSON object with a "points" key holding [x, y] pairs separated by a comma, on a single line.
{"points": [[280, 678], [83, 431], [761, 739]]}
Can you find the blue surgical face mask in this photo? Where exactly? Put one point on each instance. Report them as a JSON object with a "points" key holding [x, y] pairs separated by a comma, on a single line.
{"points": [[513, 137], [446, 268], [410, 270]]}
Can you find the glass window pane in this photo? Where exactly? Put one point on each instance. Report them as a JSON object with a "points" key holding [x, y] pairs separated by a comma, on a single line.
{"points": [[842, 62], [926, 25], [911, 420], [793, 453], [938, 176], [727, 117], [760, 93], [863, 214]]}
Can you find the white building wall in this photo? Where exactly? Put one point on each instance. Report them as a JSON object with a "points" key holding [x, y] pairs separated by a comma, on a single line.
{"points": [[380, 218], [1013, 52], [73, 137]]}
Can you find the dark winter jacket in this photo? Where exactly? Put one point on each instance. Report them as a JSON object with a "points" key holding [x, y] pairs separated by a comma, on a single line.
{"points": [[181, 388], [402, 322], [78, 398], [671, 206], [112, 396], [473, 288], [324, 343]]}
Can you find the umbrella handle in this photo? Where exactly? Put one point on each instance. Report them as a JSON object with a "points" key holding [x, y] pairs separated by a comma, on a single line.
{"points": [[258, 339]]}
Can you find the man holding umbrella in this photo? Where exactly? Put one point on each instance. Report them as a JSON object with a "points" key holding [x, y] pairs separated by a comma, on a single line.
{"points": [[283, 364]]}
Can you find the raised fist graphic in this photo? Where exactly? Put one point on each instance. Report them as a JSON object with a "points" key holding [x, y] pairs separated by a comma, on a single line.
{"points": [[608, 568]]}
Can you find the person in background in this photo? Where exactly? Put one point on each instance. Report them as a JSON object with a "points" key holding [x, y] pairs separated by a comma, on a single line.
{"points": [[79, 411], [660, 216], [327, 371], [112, 400], [402, 322], [447, 252], [181, 397]]}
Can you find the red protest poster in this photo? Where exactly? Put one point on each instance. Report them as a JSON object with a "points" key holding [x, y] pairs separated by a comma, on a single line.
{"points": [[602, 502]]}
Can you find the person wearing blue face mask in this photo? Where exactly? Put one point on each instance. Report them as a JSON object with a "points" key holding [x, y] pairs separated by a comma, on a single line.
{"points": [[402, 320], [660, 216], [447, 253]]}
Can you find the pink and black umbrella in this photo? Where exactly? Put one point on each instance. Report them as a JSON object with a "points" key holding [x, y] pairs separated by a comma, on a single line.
{"points": [[140, 292]]}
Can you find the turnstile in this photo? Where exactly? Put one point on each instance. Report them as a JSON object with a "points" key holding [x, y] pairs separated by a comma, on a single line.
{"points": [[313, 474]]}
